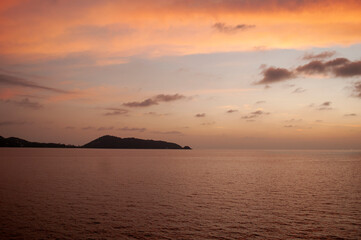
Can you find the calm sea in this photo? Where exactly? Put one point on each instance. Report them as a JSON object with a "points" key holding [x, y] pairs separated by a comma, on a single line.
{"points": [[179, 194]]}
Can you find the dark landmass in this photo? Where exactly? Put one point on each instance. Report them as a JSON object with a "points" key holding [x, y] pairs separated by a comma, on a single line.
{"points": [[102, 142], [129, 143], [18, 142]]}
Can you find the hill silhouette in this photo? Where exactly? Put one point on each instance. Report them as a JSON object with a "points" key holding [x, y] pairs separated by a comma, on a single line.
{"points": [[18, 142], [129, 143], [102, 142]]}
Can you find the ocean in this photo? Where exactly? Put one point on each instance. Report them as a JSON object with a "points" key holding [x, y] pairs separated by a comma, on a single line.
{"points": [[179, 194]]}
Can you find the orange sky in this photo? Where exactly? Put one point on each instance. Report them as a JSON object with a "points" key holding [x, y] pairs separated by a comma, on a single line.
{"points": [[157, 28], [65, 62]]}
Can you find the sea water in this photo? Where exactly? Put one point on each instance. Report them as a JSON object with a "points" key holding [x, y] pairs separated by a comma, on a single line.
{"points": [[179, 194]]}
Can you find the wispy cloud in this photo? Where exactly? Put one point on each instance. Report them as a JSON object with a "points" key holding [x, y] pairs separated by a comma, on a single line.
{"points": [[116, 111], [299, 90], [208, 123], [132, 129], [290, 126], [88, 128], [260, 102], [146, 103], [98, 32], [255, 114], [318, 56], [20, 82], [223, 91], [325, 106], [350, 115], [168, 132], [232, 111], [9, 123], [105, 128], [168, 97], [224, 28], [356, 89], [293, 120], [25, 103], [156, 114], [155, 100]]}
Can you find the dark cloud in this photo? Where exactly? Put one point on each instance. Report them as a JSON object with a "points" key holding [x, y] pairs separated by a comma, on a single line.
{"points": [[272, 75], [299, 90], [348, 69], [249, 116], [224, 28], [25, 103], [260, 102], [168, 98], [255, 114], [322, 55], [289, 126], [313, 67], [8, 123], [132, 129], [200, 115], [232, 111], [70, 128], [350, 115], [338, 67], [146, 103], [357, 89], [28, 104], [155, 100], [116, 111], [325, 106], [336, 62], [259, 112], [15, 81]]}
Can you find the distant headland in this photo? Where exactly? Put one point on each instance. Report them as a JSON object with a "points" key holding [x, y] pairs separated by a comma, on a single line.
{"points": [[106, 141]]}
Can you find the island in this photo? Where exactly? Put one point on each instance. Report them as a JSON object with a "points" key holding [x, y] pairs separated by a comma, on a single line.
{"points": [[18, 142], [106, 141]]}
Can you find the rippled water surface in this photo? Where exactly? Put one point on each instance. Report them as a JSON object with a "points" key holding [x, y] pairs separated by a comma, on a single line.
{"points": [[179, 194]]}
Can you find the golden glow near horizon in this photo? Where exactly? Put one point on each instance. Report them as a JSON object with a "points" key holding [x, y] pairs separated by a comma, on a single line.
{"points": [[203, 73]]}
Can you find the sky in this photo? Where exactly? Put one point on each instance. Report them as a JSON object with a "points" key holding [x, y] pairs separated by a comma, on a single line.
{"points": [[279, 74]]}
